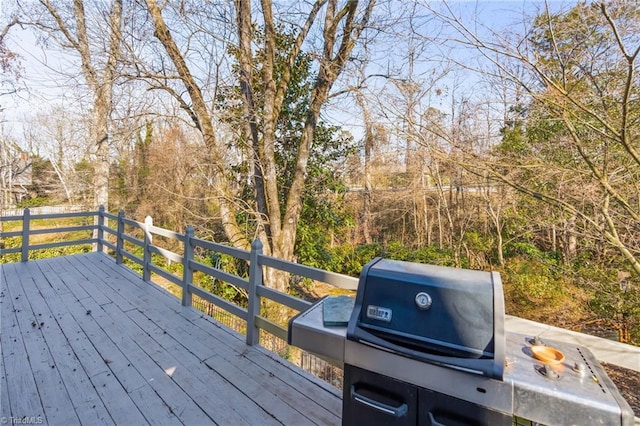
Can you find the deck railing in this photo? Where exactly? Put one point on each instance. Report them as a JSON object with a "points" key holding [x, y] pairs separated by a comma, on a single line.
{"points": [[118, 236], [128, 232]]}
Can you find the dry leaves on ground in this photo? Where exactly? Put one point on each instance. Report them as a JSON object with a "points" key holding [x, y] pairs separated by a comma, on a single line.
{"points": [[628, 383]]}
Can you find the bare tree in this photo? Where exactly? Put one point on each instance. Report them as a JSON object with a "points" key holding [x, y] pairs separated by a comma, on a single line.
{"points": [[57, 134], [581, 97], [203, 119], [277, 210], [15, 172], [9, 62], [369, 143], [96, 40]]}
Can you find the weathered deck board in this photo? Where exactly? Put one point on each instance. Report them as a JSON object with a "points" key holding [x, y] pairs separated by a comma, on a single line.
{"points": [[109, 390], [233, 358], [22, 391], [237, 362], [125, 351], [4, 391], [50, 358]]}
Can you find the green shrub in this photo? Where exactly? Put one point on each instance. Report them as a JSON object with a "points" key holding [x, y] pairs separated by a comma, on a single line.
{"points": [[427, 254], [33, 202], [614, 300], [349, 259], [311, 247], [521, 248], [532, 287]]}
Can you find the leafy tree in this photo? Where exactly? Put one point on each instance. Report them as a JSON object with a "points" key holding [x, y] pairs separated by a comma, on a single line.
{"points": [[320, 213], [339, 33], [615, 297], [513, 133]]}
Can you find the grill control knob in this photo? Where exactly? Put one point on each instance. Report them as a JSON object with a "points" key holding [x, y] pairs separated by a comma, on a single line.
{"points": [[548, 372], [423, 301], [552, 374]]}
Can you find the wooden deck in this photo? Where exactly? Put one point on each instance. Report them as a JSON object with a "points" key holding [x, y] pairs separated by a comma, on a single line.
{"points": [[86, 341]]}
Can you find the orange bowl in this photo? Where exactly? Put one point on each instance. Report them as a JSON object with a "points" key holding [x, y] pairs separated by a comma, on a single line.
{"points": [[547, 355]]}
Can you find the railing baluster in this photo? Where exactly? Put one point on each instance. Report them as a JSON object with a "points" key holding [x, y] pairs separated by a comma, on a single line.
{"points": [[26, 224], [119, 239], [187, 272], [99, 245], [148, 240], [255, 280]]}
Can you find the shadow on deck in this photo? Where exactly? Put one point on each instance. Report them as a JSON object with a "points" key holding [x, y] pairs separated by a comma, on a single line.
{"points": [[86, 341]]}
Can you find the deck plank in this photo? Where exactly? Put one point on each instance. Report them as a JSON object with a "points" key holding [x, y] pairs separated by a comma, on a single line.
{"points": [[270, 398], [86, 401], [85, 363], [194, 345], [5, 409], [323, 402], [160, 379], [24, 398], [129, 349], [85, 268], [224, 403], [105, 338], [112, 393], [170, 394], [323, 405]]}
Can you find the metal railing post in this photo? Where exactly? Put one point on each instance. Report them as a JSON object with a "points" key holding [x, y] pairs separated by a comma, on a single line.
{"points": [[148, 240], [187, 272], [99, 245], [119, 239], [26, 224], [255, 280]]}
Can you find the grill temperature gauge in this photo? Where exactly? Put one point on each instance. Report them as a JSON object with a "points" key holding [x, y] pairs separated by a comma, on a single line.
{"points": [[423, 301]]}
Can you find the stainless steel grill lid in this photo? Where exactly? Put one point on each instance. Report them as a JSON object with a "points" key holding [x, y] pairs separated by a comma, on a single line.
{"points": [[448, 316]]}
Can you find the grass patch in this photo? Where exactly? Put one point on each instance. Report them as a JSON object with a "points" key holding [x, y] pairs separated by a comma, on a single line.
{"points": [[55, 237]]}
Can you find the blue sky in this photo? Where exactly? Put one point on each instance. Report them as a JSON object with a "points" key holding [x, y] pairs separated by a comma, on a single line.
{"points": [[42, 85]]}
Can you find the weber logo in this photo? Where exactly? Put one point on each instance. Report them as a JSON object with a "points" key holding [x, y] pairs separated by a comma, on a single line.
{"points": [[376, 312]]}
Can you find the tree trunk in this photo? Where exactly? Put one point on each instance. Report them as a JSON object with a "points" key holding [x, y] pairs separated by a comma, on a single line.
{"points": [[277, 217], [102, 104], [367, 189], [99, 82], [283, 232], [204, 122]]}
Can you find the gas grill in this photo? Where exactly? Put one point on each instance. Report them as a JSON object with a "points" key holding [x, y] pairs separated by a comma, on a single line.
{"points": [[425, 345], [451, 317]]}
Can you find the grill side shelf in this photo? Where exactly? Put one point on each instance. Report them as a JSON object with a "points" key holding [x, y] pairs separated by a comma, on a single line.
{"points": [[576, 395], [308, 332]]}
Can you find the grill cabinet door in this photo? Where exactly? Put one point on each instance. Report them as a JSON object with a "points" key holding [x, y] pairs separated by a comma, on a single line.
{"points": [[438, 409], [373, 399]]}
